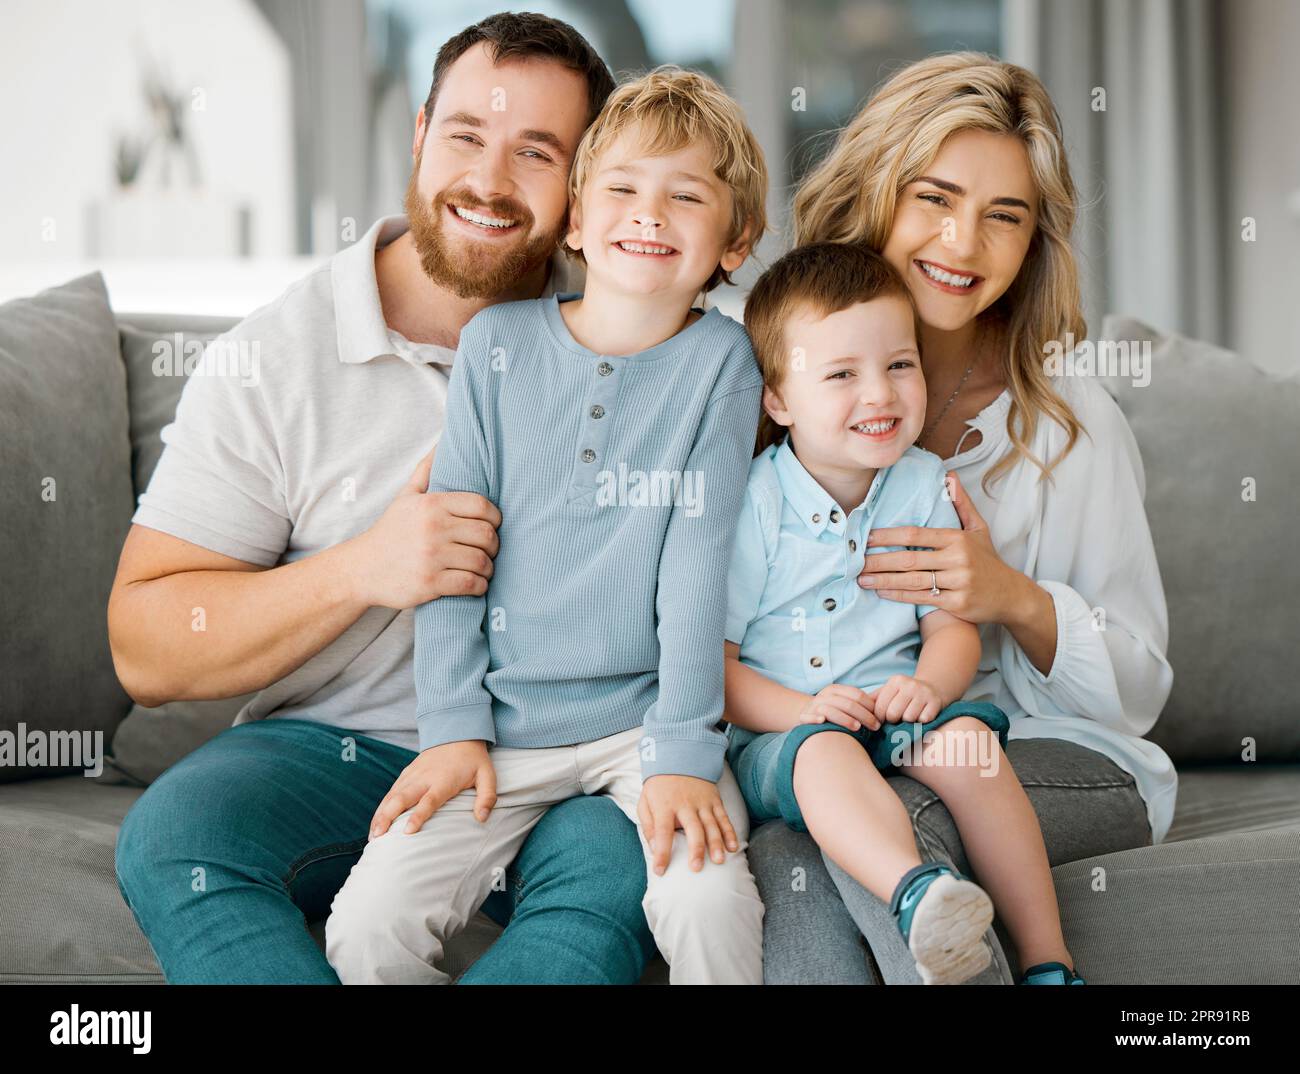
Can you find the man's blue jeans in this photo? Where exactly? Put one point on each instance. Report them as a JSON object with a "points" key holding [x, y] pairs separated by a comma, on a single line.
{"points": [[232, 851]]}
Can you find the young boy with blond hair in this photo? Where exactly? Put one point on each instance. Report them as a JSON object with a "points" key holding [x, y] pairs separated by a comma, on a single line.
{"points": [[614, 430]]}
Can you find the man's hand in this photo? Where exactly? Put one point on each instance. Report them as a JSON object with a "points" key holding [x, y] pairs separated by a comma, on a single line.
{"points": [[425, 545], [432, 779], [844, 705], [692, 804], [906, 700]]}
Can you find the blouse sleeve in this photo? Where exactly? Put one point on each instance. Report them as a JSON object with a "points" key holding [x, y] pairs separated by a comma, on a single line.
{"points": [[1096, 559]]}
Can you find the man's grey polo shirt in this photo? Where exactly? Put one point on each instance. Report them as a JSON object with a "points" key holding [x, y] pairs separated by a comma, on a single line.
{"points": [[294, 433]]}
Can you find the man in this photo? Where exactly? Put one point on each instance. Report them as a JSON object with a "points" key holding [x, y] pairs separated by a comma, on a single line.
{"points": [[281, 547]]}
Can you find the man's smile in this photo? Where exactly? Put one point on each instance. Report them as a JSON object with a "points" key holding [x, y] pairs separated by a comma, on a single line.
{"points": [[478, 222]]}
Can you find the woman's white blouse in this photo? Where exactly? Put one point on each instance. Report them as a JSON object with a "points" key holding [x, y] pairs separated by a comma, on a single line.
{"points": [[1083, 536]]}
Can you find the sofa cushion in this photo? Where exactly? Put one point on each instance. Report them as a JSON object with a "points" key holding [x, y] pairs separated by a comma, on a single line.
{"points": [[1219, 911], [157, 351], [1218, 439], [1223, 799], [66, 492], [64, 919], [150, 740]]}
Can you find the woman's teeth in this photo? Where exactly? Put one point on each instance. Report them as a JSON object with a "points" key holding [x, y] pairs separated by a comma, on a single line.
{"points": [[875, 428], [481, 220], [949, 278]]}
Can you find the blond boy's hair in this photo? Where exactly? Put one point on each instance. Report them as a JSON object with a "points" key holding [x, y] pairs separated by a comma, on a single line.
{"points": [[675, 108]]}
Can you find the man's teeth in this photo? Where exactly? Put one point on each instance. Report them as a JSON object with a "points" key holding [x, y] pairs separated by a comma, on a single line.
{"points": [[875, 427], [479, 218], [644, 248], [946, 277]]}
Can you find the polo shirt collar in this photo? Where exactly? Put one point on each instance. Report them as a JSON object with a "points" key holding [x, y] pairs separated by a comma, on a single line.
{"points": [[813, 504], [358, 313]]}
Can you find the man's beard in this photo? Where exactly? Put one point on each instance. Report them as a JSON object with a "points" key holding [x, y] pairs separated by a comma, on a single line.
{"points": [[474, 269]]}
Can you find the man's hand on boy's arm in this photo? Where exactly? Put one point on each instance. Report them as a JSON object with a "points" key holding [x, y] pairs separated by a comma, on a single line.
{"points": [[436, 776], [950, 654], [424, 546], [669, 802]]}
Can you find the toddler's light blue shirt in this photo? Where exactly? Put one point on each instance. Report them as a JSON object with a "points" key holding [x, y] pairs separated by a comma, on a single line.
{"points": [[793, 602]]}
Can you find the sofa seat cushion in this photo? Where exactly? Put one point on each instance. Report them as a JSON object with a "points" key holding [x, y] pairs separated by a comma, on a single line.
{"points": [[1223, 799], [1219, 910], [62, 918]]}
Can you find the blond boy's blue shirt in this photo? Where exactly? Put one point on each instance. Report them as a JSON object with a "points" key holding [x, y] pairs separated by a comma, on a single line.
{"points": [[794, 606], [619, 480]]}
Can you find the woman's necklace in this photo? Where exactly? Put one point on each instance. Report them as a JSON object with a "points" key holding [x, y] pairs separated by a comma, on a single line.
{"points": [[947, 406]]}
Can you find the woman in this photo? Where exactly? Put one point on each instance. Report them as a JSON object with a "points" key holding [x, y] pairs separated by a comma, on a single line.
{"points": [[955, 172]]}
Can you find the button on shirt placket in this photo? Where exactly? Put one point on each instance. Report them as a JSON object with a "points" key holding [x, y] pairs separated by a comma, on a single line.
{"points": [[817, 623], [823, 618], [593, 437], [848, 536]]}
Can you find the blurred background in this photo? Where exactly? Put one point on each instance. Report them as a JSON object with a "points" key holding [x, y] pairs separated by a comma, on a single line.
{"points": [[205, 153]]}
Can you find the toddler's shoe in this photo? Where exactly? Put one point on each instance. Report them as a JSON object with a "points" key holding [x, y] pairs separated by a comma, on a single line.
{"points": [[943, 918], [1051, 973]]}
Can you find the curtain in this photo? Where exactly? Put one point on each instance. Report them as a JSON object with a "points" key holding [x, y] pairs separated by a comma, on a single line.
{"points": [[1152, 234], [352, 118]]}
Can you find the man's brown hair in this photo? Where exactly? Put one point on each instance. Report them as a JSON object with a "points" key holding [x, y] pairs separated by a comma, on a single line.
{"points": [[821, 278], [517, 35]]}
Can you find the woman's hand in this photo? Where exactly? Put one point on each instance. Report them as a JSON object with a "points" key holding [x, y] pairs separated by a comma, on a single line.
{"points": [[974, 583]]}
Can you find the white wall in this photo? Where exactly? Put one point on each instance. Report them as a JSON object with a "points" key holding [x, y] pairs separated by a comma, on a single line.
{"points": [[70, 80], [1263, 179]]}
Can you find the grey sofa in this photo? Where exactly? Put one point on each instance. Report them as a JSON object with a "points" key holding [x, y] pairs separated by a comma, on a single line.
{"points": [[84, 394]]}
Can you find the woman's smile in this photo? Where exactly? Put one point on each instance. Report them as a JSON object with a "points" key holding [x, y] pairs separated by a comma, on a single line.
{"points": [[945, 279]]}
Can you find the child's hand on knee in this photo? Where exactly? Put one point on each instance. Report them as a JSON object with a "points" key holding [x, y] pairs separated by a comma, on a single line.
{"points": [[436, 776], [692, 804], [844, 705], [904, 699]]}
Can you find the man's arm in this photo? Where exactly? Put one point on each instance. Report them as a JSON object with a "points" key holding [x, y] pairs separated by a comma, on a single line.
{"points": [[262, 623], [258, 623]]}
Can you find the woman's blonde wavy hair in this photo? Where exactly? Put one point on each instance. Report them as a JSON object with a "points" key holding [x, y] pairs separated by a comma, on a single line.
{"points": [[852, 194]]}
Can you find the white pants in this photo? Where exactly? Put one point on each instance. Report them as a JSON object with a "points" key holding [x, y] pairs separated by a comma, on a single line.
{"points": [[410, 893]]}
